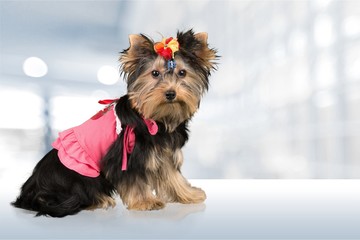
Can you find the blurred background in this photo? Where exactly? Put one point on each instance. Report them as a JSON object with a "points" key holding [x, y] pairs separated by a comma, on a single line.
{"points": [[284, 103]]}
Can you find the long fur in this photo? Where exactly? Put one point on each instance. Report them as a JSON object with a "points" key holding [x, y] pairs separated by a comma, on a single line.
{"points": [[153, 176], [145, 143], [56, 191]]}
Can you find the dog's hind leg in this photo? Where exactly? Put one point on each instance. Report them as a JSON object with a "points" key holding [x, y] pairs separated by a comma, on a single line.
{"points": [[103, 201]]}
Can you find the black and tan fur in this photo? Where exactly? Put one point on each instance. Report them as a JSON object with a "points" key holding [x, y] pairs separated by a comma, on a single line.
{"points": [[153, 177]]}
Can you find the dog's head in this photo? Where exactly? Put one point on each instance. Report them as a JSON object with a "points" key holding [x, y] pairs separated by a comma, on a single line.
{"points": [[167, 79]]}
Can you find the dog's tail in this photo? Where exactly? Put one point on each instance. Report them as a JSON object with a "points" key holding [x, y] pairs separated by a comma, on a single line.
{"points": [[56, 191], [54, 205], [38, 194], [47, 205]]}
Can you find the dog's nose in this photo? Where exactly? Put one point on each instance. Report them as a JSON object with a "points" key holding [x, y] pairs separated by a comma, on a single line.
{"points": [[170, 95]]}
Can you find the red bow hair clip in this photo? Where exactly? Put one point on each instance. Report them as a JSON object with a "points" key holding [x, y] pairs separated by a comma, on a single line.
{"points": [[167, 47]]}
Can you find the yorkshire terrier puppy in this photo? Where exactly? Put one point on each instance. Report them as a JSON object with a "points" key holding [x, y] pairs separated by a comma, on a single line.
{"points": [[133, 146]]}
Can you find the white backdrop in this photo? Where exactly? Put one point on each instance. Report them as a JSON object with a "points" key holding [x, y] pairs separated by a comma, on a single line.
{"points": [[283, 103]]}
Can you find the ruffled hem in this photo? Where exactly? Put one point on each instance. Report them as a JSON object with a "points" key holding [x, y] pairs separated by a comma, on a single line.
{"points": [[73, 156]]}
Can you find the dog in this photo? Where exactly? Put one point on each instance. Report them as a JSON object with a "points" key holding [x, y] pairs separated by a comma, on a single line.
{"points": [[133, 146]]}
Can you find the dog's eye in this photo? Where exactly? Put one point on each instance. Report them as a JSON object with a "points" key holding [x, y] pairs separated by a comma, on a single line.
{"points": [[182, 73], [155, 73]]}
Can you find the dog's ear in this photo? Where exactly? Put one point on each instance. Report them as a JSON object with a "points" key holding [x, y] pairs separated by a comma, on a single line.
{"points": [[204, 52], [135, 39], [141, 48], [197, 45], [202, 37], [139, 43]]}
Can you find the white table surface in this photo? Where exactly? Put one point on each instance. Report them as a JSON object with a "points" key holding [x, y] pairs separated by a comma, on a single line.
{"points": [[234, 209]]}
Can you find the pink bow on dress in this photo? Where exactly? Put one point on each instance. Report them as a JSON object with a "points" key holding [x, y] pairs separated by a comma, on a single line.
{"points": [[129, 140], [129, 135]]}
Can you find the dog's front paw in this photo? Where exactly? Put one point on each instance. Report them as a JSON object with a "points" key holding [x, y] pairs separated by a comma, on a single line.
{"points": [[194, 195], [148, 204], [199, 195]]}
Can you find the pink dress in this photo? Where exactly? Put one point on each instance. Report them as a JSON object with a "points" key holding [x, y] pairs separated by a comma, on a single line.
{"points": [[81, 148]]}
